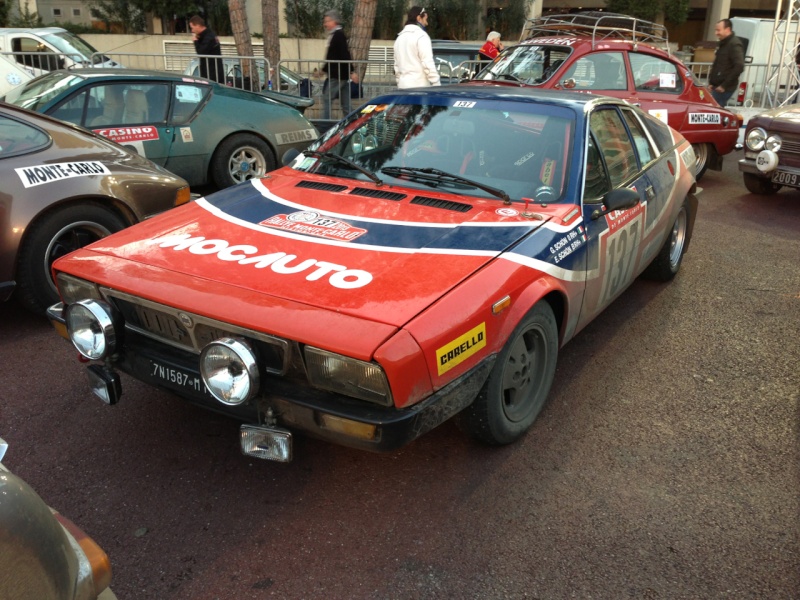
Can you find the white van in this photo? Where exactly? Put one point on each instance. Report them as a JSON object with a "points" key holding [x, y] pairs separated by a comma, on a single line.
{"points": [[756, 35], [46, 49], [12, 74]]}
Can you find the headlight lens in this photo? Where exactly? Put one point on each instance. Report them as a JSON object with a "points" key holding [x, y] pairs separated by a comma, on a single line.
{"points": [[348, 376], [230, 370], [73, 289], [756, 138], [90, 324], [773, 143]]}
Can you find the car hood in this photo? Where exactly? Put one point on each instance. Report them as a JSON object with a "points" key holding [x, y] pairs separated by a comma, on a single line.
{"points": [[784, 118], [353, 248]]}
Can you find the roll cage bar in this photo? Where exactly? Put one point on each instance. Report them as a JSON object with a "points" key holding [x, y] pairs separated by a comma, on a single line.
{"points": [[598, 26]]}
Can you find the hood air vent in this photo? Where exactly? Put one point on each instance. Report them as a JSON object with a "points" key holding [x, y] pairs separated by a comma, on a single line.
{"points": [[445, 204], [323, 187], [377, 194]]}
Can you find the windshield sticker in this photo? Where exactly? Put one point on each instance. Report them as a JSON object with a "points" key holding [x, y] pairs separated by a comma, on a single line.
{"points": [[13, 79], [186, 134], [282, 263], [32, 176], [460, 349], [129, 134], [368, 108], [312, 223], [463, 104], [551, 41], [704, 118], [301, 135], [667, 80], [661, 114]]}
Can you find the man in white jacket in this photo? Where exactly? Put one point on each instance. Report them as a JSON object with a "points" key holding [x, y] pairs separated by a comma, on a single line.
{"points": [[413, 54]]}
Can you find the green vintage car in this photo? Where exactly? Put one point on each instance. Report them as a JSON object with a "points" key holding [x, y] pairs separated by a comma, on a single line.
{"points": [[200, 130]]}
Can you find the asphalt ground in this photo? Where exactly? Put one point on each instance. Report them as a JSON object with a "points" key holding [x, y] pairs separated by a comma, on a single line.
{"points": [[666, 464]]}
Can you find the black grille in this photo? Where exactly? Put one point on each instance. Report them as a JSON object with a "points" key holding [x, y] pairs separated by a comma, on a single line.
{"points": [[445, 204], [377, 194], [325, 187]]}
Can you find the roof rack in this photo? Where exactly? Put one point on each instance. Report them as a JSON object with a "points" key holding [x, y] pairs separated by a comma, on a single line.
{"points": [[599, 26]]}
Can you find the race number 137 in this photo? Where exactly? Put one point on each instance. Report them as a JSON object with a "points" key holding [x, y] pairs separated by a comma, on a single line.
{"points": [[621, 250]]}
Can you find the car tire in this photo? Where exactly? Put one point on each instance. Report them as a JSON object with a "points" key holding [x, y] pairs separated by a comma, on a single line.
{"points": [[240, 158], [760, 185], [667, 262], [703, 153], [519, 383], [52, 236]]}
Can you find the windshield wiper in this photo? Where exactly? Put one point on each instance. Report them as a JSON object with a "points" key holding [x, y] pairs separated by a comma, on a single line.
{"points": [[345, 161], [430, 174]]}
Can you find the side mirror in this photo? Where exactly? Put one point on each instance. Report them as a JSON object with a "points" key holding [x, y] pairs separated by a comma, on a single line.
{"points": [[289, 156], [621, 199]]}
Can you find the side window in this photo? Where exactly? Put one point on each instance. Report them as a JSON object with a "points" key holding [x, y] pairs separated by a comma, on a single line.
{"points": [[661, 133], [71, 110], [36, 54], [186, 102], [17, 137], [106, 105], [597, 184], [598, 71], [654, 74], [615, 145], [643, 146]]}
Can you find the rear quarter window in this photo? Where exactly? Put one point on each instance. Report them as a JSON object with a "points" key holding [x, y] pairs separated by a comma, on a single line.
{"points": [[662, 134], [17, 137]]}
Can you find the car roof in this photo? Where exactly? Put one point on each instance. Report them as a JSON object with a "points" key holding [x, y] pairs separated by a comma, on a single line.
{"points": [[129, 74], [454, 45], [489, 91], [42, 30]]}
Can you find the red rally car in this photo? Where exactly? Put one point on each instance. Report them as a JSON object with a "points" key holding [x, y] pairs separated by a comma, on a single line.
{"points": [[426, 258], [620, 56]]}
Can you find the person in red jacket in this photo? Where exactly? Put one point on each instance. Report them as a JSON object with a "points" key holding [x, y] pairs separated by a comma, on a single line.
{"points": [[492, 47]]}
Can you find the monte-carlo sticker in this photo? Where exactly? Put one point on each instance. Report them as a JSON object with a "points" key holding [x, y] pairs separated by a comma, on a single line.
{"points": [[40, 174]]}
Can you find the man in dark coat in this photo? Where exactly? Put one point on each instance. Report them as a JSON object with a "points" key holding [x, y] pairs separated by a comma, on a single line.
{"points": [[206, 44], [337, 66], [728, 63]]}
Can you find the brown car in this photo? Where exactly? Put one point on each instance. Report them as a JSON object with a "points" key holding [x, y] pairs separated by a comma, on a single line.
{"points": [[64, 187]]}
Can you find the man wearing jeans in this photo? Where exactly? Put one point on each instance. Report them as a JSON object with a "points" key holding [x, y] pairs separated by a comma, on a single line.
{"points": [[338, 58], [728, 63]]}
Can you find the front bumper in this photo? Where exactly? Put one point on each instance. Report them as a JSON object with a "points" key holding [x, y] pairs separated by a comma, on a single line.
{"points": [[292, 404]]}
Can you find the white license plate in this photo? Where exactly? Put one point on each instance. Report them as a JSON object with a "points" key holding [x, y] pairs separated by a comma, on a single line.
{"points": [[177, 378], [785, 178]]}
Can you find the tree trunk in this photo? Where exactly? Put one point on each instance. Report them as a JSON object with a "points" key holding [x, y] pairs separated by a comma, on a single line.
{"points": [[241, 35], [361, 32], [270, 19]]}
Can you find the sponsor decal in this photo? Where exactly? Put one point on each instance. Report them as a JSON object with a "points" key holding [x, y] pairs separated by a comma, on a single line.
{"points": [[702, 94], [546, 174], [661, 114], [129, 134], [568, 243], [507, 212], [312, 223], [460, 349], [301, 135], [339, 276], [688, 158], [186, 135], [464, 104], [617, 219], [368, 108], [39, 174], [704, 118]]}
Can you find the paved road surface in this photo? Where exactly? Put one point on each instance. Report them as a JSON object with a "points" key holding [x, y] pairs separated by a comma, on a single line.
{"points": [[666, 464]]}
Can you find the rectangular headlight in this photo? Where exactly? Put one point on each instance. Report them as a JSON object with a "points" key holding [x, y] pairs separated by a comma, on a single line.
{"points": [[348, 376], [73, 289]]}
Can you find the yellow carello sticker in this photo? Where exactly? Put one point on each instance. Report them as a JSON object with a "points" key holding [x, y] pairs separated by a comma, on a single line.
{"points": [[460, 349]]}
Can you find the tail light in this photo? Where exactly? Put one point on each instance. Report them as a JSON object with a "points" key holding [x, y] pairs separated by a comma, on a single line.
{"points": [[741, 93]]}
